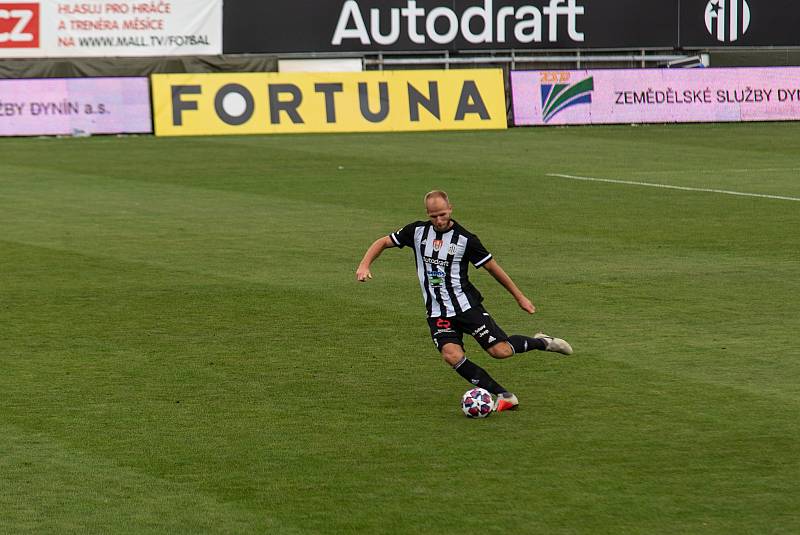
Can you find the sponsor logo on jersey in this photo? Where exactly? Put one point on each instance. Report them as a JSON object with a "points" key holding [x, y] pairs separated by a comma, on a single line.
{"points": [[436, 261], [480, 331], [436, 278]]}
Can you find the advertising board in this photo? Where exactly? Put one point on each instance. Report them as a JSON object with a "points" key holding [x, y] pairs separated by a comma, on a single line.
{"points": [[408, 25], [281, 26], [74, 106], [655, 96], [262, 103], [70, 28]]}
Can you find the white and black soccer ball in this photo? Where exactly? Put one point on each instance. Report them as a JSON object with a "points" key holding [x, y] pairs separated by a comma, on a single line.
{"points": [[477, 403]]}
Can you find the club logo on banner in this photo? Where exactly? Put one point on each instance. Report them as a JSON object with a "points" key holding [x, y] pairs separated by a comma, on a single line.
{"points": [[727, 20], [558, 97]]}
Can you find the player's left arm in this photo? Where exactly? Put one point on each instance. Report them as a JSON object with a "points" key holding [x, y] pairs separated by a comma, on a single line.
{"points": [[502, 277]]}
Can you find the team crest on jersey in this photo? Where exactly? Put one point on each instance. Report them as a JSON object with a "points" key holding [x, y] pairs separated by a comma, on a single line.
{"points": [[437, 245]]}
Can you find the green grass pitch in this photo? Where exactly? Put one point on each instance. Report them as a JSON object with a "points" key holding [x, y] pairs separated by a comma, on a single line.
{"points": [[184, 349]]}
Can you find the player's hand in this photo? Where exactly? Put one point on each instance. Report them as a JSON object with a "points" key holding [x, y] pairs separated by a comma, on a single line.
{"points": [[526, 305], [362, 274]]}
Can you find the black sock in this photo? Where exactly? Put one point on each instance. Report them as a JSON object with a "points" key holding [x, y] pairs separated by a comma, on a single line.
{"points": [[478, 376], [521, 344]]}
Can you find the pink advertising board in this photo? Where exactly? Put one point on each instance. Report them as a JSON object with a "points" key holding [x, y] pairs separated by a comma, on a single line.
{"points": [[655, 96], [74, 106]]}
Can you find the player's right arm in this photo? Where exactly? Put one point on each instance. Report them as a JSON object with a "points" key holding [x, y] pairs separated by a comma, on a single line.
{"points": [[363, 273]]}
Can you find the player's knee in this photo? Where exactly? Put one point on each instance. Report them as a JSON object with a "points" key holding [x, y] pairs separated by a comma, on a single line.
{"points": [[452, 354], [501, 350]]}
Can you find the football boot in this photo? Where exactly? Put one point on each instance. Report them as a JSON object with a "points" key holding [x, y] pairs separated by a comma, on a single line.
{"points": [[556, 345], [505, 402]]}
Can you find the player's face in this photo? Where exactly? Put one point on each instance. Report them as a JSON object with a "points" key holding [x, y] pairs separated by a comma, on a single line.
{"points": [[439, 212]]}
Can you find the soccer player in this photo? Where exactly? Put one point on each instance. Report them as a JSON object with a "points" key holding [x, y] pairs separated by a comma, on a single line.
{"points": [[443, 250]]}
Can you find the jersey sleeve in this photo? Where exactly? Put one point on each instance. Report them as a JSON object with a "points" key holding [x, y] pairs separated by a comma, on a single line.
{"points": [[476, 252], [405, 236]]}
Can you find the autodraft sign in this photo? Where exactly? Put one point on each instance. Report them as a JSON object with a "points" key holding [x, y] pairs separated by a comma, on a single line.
{"points": [[262, 103]]}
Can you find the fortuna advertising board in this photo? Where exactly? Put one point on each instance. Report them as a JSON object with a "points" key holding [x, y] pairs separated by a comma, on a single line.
{"points": [[264, 103], [655, 96], [66, 28]]}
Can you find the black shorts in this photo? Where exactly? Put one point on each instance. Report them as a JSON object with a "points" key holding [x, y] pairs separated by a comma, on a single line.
{"points": [[475, 322]]}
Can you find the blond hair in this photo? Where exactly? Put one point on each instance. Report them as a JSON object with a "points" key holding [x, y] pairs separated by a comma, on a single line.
{"points": [[437, 193]]}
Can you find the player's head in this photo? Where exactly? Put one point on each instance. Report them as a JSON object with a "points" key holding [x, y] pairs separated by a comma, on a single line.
{"points": [[439, 209]]}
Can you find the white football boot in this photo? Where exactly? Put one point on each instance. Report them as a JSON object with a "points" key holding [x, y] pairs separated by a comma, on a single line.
{"points": [[556, 345]]}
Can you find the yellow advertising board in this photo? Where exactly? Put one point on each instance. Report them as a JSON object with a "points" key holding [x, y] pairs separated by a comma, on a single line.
{"points": [[378, 101]]}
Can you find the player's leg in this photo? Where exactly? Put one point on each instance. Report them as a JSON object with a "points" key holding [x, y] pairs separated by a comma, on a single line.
{"points": [[517, 343], [501, 346], [480, 324], [448, 337], [501, 350], [542, 342], [492, 339], [454, 355]]}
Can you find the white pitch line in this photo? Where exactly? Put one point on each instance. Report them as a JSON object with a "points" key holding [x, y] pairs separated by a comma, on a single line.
{"points": [[668, 186], [711, 171]]}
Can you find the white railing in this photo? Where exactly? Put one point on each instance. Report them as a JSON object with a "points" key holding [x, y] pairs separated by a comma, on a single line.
{"points": [[575, 59]]}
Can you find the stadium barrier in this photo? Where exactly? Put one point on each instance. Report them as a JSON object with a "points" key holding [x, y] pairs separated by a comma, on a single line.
{"points": [[60, 39], [655, 96], [417, 100]]}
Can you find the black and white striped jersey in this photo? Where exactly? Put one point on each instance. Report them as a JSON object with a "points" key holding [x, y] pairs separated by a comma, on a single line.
{"points": [[442, 259]]}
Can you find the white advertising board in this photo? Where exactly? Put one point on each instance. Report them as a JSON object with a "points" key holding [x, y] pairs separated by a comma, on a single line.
{"points": [[69, 28]]}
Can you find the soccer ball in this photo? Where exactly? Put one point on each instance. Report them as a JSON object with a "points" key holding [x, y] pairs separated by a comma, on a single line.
{"points": [[476, 403]]}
